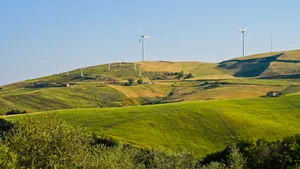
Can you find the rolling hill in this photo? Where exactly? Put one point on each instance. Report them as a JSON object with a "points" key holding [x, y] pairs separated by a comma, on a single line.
{"points": [[201, 126], [102, 88]]}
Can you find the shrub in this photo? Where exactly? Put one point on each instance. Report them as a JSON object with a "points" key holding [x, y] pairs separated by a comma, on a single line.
{"points": [[1, 88], [48, 142], [130, 82], [12, 112], [188, 76], [180, 75], [140, 81]]}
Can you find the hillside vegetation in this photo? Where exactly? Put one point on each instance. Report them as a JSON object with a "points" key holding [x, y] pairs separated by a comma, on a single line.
{"points": [[201, 127]]}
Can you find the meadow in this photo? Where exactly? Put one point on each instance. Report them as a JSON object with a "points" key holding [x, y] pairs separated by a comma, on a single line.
{"points": [[201, 127]]}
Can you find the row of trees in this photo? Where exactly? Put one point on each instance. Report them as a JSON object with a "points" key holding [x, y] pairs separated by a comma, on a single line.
{"points": [[49, 142]]}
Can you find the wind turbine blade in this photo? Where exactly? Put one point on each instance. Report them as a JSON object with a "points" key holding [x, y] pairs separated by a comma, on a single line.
{"points": [[140, 40], [246, 28], [147, 37], [141, 32], [239, 28]]}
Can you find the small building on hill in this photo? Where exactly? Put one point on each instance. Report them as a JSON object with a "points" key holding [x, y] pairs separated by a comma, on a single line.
{"points": [[273, 94], [67, 85]]}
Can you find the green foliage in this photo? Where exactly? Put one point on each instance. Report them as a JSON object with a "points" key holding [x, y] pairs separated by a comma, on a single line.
{"points": [[129, 83], [179, 75], [5, 126], [48, 143], [13, 112], [8, 159], [188, 76], [235, 158], [140, 81]]}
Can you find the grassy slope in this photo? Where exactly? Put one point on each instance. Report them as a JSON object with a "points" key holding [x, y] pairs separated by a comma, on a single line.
{"points": [[198, 69], [201, 127], [288, 63], [147, 90], [78, 96], [224, 92]]}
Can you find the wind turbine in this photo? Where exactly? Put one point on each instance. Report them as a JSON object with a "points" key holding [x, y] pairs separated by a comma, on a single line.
{"points": [[271, 40], [143, 47], [243, 38]]}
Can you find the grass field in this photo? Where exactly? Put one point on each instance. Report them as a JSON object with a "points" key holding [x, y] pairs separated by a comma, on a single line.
{"points": [[224, 92], [147, 90], [199, 69], [77, 96], [200, 127]]}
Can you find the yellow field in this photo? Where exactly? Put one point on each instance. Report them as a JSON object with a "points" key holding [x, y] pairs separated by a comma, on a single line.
{"points": [[151, 90], [281, 68], [225, 92]]}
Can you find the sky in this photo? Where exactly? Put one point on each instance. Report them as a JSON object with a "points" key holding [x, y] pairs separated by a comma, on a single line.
{"points": [[39, 37]]}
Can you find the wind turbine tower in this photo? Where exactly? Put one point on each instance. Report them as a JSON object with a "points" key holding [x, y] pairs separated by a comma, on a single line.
{"points": [[143, 44], [81, 72], [243, 39], [271, 40], [140, 71], [67, 70]]}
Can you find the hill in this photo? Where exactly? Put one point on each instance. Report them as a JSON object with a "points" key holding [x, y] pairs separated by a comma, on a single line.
{"points": [[268, 65], [200, 126], [242, 77]]}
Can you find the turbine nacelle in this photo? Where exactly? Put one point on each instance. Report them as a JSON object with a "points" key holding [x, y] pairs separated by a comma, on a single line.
{"points": [[142, 39]]}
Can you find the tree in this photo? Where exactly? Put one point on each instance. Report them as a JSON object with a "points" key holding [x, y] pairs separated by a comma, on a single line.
{"points": [[130, 82], [180, 75], [235, 158], [188, 76], [48, 142], [140, 81]]}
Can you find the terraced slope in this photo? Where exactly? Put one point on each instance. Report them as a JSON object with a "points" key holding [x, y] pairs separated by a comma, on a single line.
{"points": [[201, 127]]}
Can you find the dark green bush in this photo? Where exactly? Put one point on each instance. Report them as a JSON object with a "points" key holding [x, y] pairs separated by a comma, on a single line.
{"points": [[188, 76], [179, 75], [12, 112], [140, 81]]}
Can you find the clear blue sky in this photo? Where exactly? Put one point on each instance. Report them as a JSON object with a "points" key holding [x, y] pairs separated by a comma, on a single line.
{"points": [[45, 35]]}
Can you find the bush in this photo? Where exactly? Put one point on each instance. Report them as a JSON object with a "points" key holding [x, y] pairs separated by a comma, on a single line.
{"points": [[1, 88], [180, 75], [130, 82], [188, 76], [140, 81], [12, 112], [48, 142]]}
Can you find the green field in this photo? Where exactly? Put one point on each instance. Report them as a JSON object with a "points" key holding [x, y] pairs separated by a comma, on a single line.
{"points": [[77, 96], [201, 127]]}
